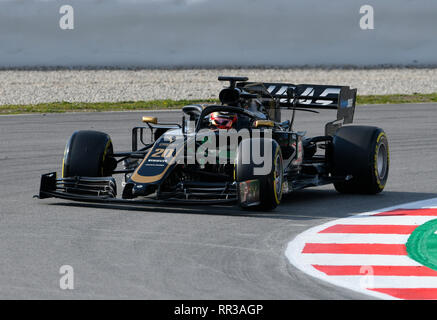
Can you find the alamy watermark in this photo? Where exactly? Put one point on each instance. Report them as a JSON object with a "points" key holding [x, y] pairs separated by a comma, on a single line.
{"points": [[221, 146], [366, 22], [66, 22], [367, 281], [66, 282], [368, 18]]}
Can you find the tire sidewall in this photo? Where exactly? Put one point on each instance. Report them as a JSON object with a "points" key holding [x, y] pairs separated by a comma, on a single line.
{"points": [[355, 153], [270, 196], [381, 140], [86, 153]]}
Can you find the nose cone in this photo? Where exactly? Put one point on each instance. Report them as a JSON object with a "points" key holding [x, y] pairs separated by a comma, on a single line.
{"points": [[143, 189]]}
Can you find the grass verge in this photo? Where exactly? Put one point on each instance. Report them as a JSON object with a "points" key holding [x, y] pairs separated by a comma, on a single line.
{"points": [[59, 107], [397, 98]]}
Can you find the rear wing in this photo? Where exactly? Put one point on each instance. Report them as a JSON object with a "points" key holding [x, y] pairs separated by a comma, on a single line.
{"points": [[307, 96]]}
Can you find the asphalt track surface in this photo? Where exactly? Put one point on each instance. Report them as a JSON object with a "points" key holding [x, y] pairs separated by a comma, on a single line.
{"points": [[168, 252]]}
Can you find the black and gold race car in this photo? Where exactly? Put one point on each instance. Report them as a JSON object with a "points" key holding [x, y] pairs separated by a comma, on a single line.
{"points": [[240, 151]]}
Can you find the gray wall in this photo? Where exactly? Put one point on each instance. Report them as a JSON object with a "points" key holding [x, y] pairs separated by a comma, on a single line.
{"points": [[217, 32]]}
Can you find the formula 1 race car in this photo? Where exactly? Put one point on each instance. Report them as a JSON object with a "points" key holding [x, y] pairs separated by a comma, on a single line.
{"points": [[237, 152]]}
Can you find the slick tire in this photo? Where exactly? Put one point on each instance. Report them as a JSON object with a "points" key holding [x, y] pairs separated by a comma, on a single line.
{"points": [[362, 153], [270, 183], [88, 154]]}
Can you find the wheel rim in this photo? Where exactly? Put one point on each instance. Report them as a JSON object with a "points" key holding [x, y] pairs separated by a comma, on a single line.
{"points": [[278, 177], [381, 161]]}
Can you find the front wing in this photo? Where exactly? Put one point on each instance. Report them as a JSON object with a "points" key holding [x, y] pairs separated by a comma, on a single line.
{"points": [[103, 190]]}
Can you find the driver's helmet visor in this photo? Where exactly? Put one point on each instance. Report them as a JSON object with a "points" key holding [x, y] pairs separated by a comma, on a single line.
{"points": [[222, 120]]}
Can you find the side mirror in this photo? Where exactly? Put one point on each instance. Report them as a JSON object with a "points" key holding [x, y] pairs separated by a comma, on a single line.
{"points": [[153, 120], [263, 123]]}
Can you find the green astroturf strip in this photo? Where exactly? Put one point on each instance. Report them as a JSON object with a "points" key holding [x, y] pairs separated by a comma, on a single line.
{"points": [[422, 244], [60, 107]]}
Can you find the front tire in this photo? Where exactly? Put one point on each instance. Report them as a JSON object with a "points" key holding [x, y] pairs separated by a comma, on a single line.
{"points": [[270, 184], [361, 152], [88, 154]]}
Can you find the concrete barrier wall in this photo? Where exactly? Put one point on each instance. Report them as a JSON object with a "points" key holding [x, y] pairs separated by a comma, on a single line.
{"points": [[144, 33]]}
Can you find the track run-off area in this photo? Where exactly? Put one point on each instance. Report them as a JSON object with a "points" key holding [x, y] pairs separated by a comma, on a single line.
{"points": [[387, 253], [218, 252]]}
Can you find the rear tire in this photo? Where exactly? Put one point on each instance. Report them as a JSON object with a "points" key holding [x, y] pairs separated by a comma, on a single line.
{"points": [[88, 154], [363, 153], [271, 183]]}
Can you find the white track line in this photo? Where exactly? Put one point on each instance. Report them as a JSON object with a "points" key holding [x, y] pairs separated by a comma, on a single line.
{"points": [[356, 259], [386, 220], [393, 282], [360, 238]]}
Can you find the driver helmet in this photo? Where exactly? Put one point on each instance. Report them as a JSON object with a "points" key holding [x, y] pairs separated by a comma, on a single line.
{"points": [[222, 120]]}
